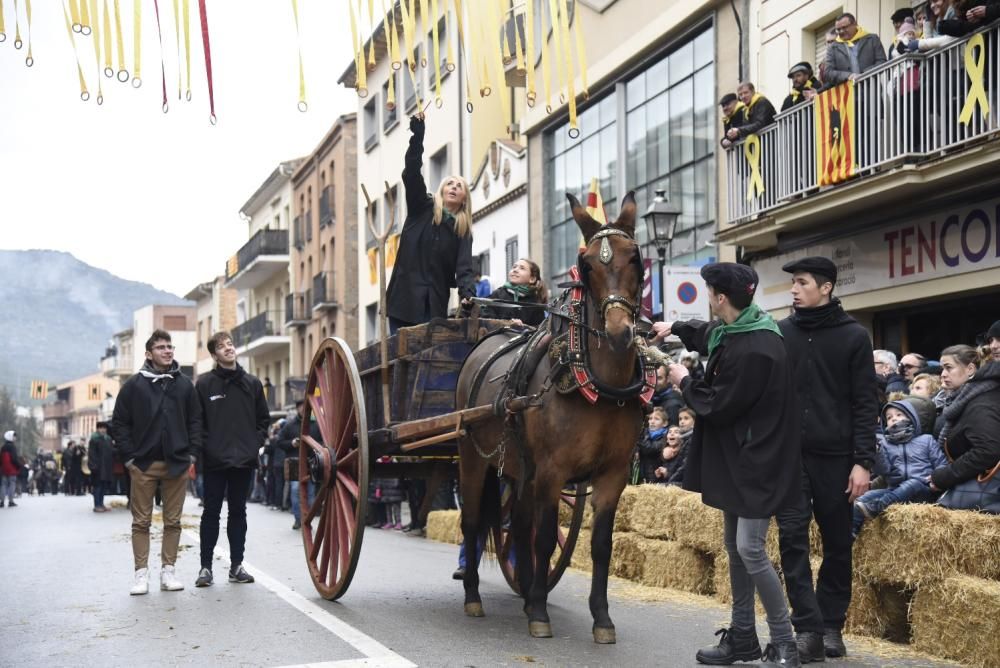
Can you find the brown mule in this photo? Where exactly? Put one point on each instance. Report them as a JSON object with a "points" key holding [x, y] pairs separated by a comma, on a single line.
{"points": [[565, 437]]}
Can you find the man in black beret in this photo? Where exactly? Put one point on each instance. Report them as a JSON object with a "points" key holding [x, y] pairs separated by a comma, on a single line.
{"points": [[732, 116], [831, 357], [744, 455], [804, 85]]}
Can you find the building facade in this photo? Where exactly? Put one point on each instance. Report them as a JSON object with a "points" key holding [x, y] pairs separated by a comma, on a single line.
{"points": [[79, 405], [500, 210], [215, 306], [179, 321]]}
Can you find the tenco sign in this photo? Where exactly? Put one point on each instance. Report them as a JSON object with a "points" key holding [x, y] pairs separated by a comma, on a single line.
{"points": [[954, 242]]}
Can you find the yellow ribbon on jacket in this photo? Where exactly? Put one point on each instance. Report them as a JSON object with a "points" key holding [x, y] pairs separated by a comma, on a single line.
{"points": [[974, 68], [751, 149], [736, 110], [747, 109]]}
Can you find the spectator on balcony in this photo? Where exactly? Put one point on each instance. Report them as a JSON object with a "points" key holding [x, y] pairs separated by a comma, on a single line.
{"points": [[854, 52], [899, 19], [900, 43], [943, 14], [732, 116], [830, 38], [524, 285], [435, 247], [758, 112], [804, 85]]}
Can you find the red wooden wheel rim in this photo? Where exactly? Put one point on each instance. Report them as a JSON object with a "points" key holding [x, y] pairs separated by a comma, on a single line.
{"points": [[333, 526]]}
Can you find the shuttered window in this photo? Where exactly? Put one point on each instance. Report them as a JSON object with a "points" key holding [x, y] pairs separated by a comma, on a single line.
{"points": [[820, 39]]}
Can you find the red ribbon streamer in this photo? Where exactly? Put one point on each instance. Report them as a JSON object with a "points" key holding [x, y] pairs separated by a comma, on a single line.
{"points": [[208, 58]]}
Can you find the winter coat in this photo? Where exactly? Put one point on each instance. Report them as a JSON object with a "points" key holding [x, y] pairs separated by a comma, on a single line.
{"points": [[651, 455], [671, 401], [100, 457], [431, 259], [957, 26], [792, 99], [676, 466], [10, 462], [529, 316], [757, 117], [831, 358], [973, 440], [235, 418], [157, 417], [732, 122], [913, 460], [745, 456], [284, 445], [895, 382], [387, 490], [838, 67]]}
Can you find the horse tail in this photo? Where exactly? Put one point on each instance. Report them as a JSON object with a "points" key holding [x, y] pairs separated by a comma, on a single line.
{"points": [[489, 516]]}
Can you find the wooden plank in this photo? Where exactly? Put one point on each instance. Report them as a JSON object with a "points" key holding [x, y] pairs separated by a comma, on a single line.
{"points": [[440, 423]]}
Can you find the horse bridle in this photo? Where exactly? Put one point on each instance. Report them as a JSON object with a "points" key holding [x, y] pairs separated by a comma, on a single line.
{"points": [[612, 301]]}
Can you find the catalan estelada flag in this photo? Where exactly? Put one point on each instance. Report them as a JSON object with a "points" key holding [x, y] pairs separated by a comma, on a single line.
{"points": [[39, 388], [93, 391], [835, 134]]}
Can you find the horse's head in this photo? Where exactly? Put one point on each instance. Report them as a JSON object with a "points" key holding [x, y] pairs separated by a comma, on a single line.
{"points": [[611, 270]]}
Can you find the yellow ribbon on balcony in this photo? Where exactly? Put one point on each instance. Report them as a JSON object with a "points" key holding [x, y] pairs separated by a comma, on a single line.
{"points": [[232, 266], [974, 69], [391, 250], [372, 265], [751, 149]]}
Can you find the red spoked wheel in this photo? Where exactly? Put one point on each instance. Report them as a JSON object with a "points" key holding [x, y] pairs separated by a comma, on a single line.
{"points": [[333, 525], [573, 499]]}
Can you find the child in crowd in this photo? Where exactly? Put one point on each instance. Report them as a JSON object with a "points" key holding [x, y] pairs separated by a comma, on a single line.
{"points": [[675, 454], [925, 385], [651, 445], [906, 459]]}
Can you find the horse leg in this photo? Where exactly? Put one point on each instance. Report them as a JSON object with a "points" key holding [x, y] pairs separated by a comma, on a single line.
{"points": [[607, 491], [520, 528], [546, 521], [473, 482]]}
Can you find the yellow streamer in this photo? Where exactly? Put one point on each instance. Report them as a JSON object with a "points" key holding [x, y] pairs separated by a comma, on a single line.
{"points": [[303, 105], [371, 31], [393, 35], [464, 53], [17, 28], [574, 128], [409, 25], [177, 44], [74, 11], [137, 44], [84, 94], [581, 55], [97, 49], [109, 68], [423, 29], [483, 37], [518, 49], [29, 60], [974, 69], [122, 71], [84, 18], [529, 37], [504, 42], [546, 69], [361, 84], [436, 54], [3, 28], [751, 150], [449, 58], [187, 49], [557, 40]]}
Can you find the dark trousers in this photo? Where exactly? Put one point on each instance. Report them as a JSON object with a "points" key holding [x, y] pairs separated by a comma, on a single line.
{"points": [[99, 489], [233, 485], [278, 476], [824, 480]]}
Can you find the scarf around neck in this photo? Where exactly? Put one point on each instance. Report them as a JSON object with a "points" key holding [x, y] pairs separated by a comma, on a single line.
{"points": [[519, 292], [959, 399], [851, 42], [737, 109], [657, 433], [748, 109], [150, 372], [796, 93], [819, 316], [901, 432], [751, 319]]}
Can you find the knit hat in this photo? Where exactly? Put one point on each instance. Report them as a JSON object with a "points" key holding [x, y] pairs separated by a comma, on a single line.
{"points": [[906, 26], [9, 435], [994, 331]]}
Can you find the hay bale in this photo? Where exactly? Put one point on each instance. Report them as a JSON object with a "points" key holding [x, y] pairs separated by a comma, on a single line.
{"points": [[956, 618], [623, 516], [695, 524], [581, 553], [651, 511], [627, 556], [445, 526], [864, 616], [670, 564]]}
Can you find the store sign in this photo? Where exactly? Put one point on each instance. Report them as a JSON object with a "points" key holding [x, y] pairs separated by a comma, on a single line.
{"points": [[685, 294], [954, 242]]}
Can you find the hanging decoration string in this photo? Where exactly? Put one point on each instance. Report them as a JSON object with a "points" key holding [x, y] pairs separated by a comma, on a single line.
{"points": [[464, 53], [120, 43], [29, 60], [3, 28], [438, 101], [303, 105], [449, 57], [137, 43], [481, 37], [187, 49], [423, 30], [17, 28], [411, 63], [371, 31], [84, 19], [97, 49], [504, 40], [74, 12], [574, 128], [163, 69], [360, 84], [557, 44], [84, 93], [529, 37], [109, 68], [202, 11], [546, 65], [177, 44], [393, 35], [581, 55]]}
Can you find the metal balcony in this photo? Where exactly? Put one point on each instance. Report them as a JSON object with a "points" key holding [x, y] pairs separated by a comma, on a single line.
{"points": [[323, 293], [259, 334], [265, 254], [296, 312], [326, 216], [297, 233], [56, 411]]}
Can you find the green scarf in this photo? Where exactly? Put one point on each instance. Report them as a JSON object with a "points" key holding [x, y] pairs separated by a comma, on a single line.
{"points": [[751, 319], [519, 291]]}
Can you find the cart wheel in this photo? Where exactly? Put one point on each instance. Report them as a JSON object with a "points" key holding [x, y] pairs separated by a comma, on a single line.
{"points": [[575, 500], [333, 525]]}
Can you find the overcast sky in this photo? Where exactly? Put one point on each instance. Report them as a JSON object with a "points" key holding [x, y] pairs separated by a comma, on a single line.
{"points": [[150, 196]]}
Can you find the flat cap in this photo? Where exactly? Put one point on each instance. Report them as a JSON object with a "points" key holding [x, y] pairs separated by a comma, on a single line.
{"points": [[814, 265], [727, 99], [800, 67], [730, 278]]}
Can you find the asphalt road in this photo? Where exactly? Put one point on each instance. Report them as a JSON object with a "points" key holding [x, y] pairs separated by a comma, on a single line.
{"points": [[66, 573]]}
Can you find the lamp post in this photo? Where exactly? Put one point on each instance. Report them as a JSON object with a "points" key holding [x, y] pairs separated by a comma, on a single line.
{"points": [[661, 224]]}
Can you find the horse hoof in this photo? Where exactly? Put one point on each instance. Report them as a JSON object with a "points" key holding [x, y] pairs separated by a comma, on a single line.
{"points": [[604, 636], [540, 629], [474, 610]]}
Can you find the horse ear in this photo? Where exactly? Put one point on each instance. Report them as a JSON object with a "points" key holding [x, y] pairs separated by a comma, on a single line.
{"points": [[626, 217], [588, 226]]}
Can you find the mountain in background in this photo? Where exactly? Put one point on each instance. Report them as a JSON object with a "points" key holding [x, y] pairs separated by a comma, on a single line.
{"points": [[59, 314]]}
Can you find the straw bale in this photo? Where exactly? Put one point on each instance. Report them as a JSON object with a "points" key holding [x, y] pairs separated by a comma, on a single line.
{"points": [[445, 526], [956, 618], [651, 511], [697, 525], [627, 556], [864, 616], [581, 553], [670, 564], [623, 516]]}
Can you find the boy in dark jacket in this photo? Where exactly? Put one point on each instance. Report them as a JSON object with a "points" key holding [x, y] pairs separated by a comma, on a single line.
{"points": [[906, 459], [235, 419], [651, 445]]}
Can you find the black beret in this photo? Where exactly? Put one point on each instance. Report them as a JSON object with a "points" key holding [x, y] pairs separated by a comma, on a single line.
{"points": [[728, 98], [730, 278], [801, 67], [994, 331], [813, 265], [900, 14]]}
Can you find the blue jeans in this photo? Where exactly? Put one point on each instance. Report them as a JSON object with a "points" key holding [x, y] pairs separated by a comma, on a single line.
{"points": [[296, 509], [877, 500], [9, 487], [100, 488]]}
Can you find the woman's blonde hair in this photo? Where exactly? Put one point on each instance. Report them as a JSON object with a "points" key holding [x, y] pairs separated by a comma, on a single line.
{"points": [[463, 219]]}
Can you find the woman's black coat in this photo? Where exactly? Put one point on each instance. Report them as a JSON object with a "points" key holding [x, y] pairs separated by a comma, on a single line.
{"points": [[100, 457], [529, 316], [745, 455], [973, 442], [431, 259]]}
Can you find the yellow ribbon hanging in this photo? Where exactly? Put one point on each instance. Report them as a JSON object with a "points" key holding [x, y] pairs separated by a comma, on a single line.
{"points": [[120, 41], [84, 18], [177, 45], [84, 93], [109, 68], [187, 49], [557, 42], [751, 150], [409, 25], [17, 28], [137, 44], [97, 49], [74, 12], [498, 34], [518, 47], [361, 85], [303, 105], [574, 128], [482, 59], [371, 31], [529, 37], [504, 42], [546, 67], [29, 60], [392, 41], [437, 55], [581, 55], [464, 53], [423, 29], [3, 28], [974, 69], [449, 54]]}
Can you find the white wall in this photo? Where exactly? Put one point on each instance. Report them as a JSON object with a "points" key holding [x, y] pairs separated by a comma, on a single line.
{"points": [[491, 232]]}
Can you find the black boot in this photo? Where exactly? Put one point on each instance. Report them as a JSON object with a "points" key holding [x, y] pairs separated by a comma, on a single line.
{"points": [[733, 646], [781, 655], [833, 643], [810, 646]]}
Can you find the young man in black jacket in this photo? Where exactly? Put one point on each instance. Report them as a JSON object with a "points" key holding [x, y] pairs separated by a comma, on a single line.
{"points": [[156, 426], [831, 355], [236, 419]]}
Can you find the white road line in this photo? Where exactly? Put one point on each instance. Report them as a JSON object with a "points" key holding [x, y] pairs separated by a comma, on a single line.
{"points": [[376, 654]]}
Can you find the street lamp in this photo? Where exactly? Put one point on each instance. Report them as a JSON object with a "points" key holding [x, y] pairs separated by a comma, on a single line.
{"points": [[661, 224]]}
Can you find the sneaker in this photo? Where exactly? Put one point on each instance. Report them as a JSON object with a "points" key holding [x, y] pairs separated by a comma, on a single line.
{"points": [[169, 581], [781, 655], [296, 525], [204, 578], [459, 574], [140, 585], [810, 646], [12, 504], [733, 646], [1, 503], [833, 643], [398, 526], [864, 510], [240, 575]]}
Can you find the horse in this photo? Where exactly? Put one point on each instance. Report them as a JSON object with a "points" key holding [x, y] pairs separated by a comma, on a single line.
{"points": [[585, 434]]}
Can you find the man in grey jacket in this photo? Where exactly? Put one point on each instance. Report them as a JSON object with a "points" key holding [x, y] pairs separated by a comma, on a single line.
{"points": [[855, 51]]}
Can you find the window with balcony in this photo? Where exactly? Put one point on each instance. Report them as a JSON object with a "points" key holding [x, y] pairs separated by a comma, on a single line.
{"points": [[371, 123], [326, 202]]}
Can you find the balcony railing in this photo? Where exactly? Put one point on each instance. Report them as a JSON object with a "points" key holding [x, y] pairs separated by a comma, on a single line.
{"points": [[261, 325], [323, 292], [265, 242], [907, 110], [326, 206], [296, 309], [297, 238], [56, 411]]}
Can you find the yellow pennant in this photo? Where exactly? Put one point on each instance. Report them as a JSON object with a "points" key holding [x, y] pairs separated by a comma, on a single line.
{"points": [[581, 55], [109, 68], [187, 49], [437, 54], [574, 128], [84, 18], [17, 28], [74, 12], [371, 31], [84, 93], [97, 49], [464, 53], [120, 42], [303, 105], [751, 150], [137, 44], [504, 42], [974, 69], [483, 37], [3, 28], [29, 60], [529, 37], [408, 29], [361, 83], [557, 43], [177, 45], [393, 35], [423, 29]]}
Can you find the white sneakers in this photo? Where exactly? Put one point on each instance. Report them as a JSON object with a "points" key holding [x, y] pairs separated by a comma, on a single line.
{"points": [[169, 581], [140, 585]]}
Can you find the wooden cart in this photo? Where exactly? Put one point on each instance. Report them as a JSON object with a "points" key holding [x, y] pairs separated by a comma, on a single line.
{"points": [[345, 395]]}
